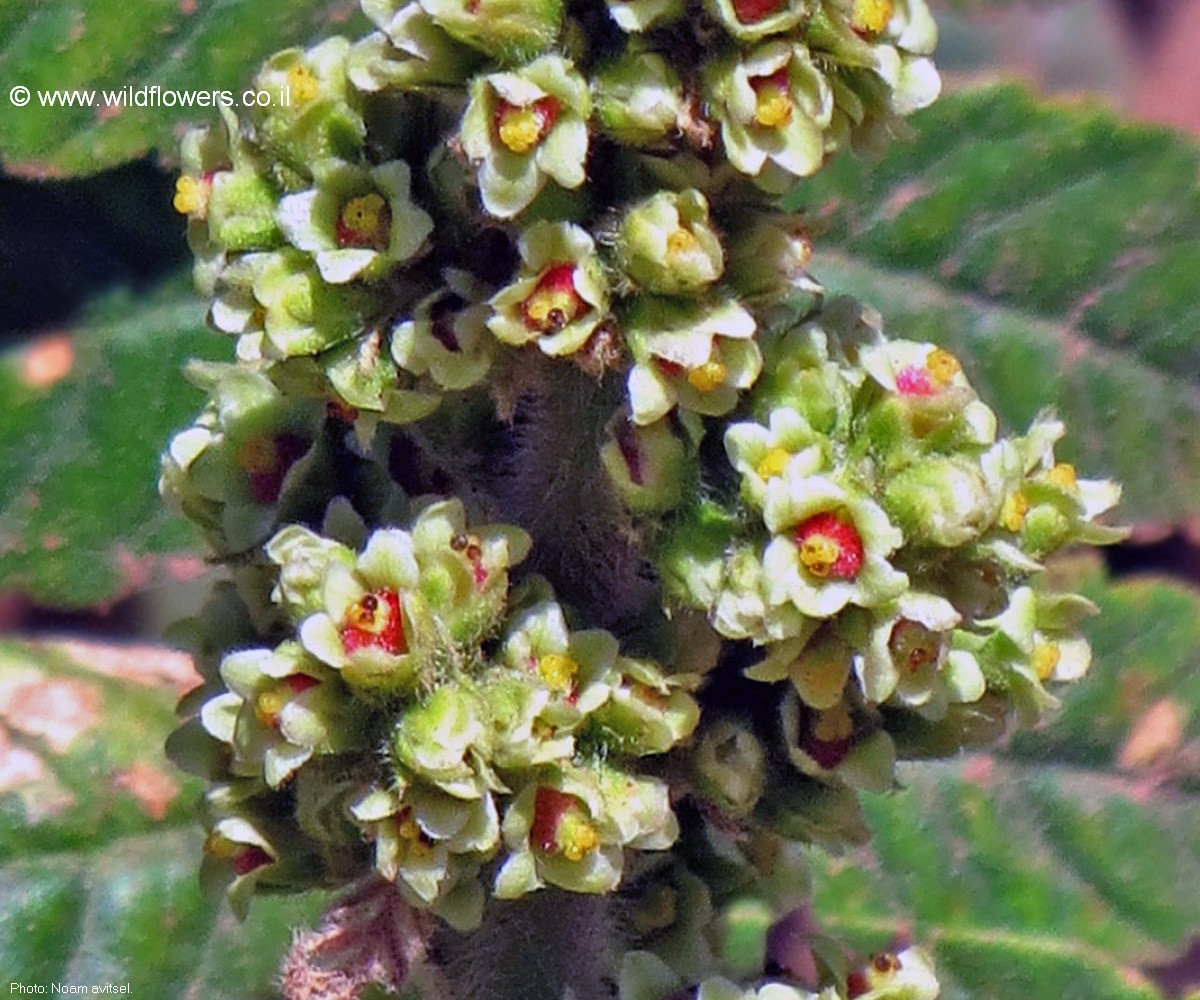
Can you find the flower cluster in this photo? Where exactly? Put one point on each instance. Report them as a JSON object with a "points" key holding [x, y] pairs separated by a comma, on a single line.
{"points": [[420, 706], [879, 544], [531, 254]]}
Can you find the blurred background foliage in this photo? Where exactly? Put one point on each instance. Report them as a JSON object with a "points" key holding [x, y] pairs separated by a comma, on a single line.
{"points": [[1047, 231]]}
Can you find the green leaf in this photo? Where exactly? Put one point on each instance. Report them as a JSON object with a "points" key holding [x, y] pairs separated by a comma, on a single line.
{"points": [[1056, 249], [1066, 867], [181, 46], [83, 422], [98, 846]]}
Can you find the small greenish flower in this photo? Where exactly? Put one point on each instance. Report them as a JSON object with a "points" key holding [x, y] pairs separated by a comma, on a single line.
{"points": [[281, 707], [309, 118], [364, 627], [250, 848], [749, 20], [364, 377], [642, 15], [698, 356], [949, 500], [1034, 641], [443, 741], [410, 50], [578, 669], [730, 766], [304, 559], [234, 308], [773, 105], [559, 833], [647, 712], [789, 446], [356, 222], [907, 975], [1052, 506], [878, 51], [511, 31], [447, 337], [929, 398], [838, 745], [412, 602], [225, 194], [568, 829], [667, 244], [739, 605], [431, 845], [650, 466], [910, 657], [463, 573], [237, 855], [519, 705], [638, 99], [230, 470], [768, 258], [829, 549], [526, 127], [799, 373], [560, 295], [302, 313]]}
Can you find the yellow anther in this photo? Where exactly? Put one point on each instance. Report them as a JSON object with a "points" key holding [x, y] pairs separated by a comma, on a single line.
{"points": [[364, 214], [942, 365], [1063, 476], [407, 827], [681, 241], [302, 85], [270, 703], [818, 553], [1012, 514], [707, 377], [833, 724], [521, 129], [558, 671], [576, 836], [773, 107], [548, 302], [1045, 658], [773, 463], [871, 16], [257, 456], [191, 195]]}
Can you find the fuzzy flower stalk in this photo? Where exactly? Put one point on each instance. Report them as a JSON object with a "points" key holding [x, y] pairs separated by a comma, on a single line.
{"points": [[568, 586]]}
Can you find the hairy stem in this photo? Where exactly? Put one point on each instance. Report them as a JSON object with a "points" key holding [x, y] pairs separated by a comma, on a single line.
{"points": [[550, 945]]}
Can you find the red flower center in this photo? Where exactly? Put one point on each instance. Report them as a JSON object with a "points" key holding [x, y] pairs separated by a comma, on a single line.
{"points": [[248, 858], [554, 302], [364, 222], [830, 547], [271, 702], [266, 461], [520, 127], [753, 11], [561, 826], [375, 621], [913, 646]]}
